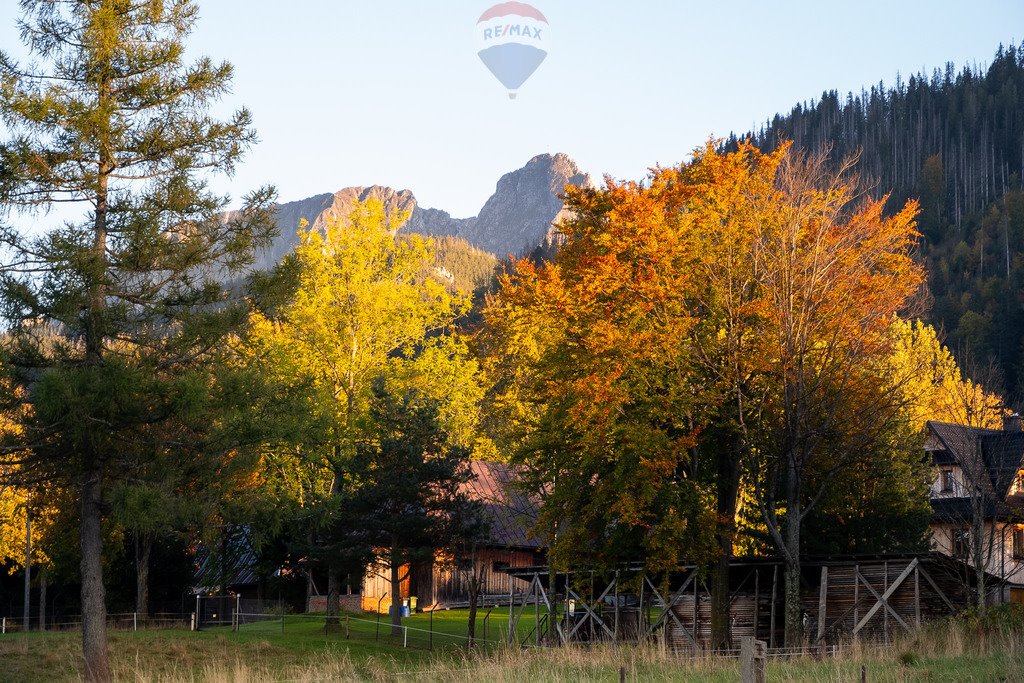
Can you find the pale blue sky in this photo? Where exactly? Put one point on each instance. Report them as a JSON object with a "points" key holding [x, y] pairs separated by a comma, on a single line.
{"points": [[354, 93]]}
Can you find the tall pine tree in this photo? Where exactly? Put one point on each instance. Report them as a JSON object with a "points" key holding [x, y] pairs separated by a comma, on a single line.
{"points": [[111, 313]]}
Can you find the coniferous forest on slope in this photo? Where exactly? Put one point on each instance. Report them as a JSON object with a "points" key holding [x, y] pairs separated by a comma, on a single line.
{"points": [[954, 139]]}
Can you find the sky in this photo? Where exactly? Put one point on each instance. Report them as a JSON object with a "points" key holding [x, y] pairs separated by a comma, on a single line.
{"points": [[393, 93]]}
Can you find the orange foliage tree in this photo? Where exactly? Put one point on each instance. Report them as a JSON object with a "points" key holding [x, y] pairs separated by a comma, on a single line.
{"points": [[729, 315]]}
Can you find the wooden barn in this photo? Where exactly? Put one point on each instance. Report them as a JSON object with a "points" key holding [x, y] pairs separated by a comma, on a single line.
{"points": [[843, 598], [445, 581]]}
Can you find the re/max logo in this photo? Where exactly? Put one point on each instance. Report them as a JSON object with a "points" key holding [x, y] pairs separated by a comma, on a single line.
{"points": [[512, 30]]}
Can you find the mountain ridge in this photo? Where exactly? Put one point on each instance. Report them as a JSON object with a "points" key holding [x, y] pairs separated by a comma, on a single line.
{"points": [[517, 218]]}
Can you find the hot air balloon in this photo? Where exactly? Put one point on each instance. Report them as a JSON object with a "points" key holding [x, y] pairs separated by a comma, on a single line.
{"points": [[511, 41]]}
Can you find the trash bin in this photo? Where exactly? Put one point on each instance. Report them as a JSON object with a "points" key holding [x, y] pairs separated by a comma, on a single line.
{"points": [[412, 604], [403, 610]]}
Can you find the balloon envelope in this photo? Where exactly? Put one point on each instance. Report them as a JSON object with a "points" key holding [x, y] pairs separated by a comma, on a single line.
{"points": [[512, 40]]}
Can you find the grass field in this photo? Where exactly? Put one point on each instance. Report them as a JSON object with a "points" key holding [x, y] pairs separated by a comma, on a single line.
{"points": [[301, 651]]}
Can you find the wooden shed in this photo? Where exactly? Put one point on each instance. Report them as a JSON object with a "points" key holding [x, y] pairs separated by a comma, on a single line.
{"points": [[445, 581], [869, 597]]}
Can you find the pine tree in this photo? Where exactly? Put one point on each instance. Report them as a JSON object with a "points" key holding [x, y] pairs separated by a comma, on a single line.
{"points": [[401, 494], [111, 312]]}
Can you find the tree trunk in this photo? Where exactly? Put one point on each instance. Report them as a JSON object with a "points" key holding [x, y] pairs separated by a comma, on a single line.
{"points": [[794, 634], [396, 593], [333, 597], [94, 607], [794, 623], [727, 485], [333, 571], [474, 594], [721, 636], [978, 551], [43, 580], [143, 549], [26, 607]]}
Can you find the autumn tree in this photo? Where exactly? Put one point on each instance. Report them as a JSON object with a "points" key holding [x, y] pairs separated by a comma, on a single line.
{"points": [[594, 391], [109, 119], [835, 270], [722, 322], [357, 302], [722, 196]]}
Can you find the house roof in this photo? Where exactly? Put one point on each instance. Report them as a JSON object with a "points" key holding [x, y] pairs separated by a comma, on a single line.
{"points": [[509, 512], [1003, 456], [995, 453], [958, 510]]}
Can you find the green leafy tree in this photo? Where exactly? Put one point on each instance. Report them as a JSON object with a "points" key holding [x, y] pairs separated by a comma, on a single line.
{"points": [[353, 304], [401, 494], [109, 118]]}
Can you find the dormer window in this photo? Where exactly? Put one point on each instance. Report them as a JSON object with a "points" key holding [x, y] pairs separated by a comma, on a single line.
{"points": [[946, 480]]}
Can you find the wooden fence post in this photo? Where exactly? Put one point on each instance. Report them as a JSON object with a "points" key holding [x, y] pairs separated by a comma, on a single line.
{"points": [[822, 603], [753, 656]]}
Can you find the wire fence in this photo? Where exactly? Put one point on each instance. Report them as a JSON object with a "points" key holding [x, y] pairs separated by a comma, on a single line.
{"points": [[423, 633], [121, 621]]}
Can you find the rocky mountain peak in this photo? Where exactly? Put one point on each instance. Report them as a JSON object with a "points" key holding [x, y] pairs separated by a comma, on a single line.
{"points": [[517, 218], [526, 203]]}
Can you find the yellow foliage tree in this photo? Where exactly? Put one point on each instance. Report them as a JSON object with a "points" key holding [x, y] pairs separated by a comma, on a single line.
{"points": [[365, 304]]}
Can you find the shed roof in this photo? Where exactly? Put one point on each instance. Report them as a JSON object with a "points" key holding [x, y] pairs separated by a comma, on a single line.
{"points": [[509, 512]]}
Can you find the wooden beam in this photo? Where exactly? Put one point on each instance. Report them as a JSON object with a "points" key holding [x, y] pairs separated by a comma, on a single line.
{"points": [[883, 600], [671, 601], [668, 610], [757, 598], [513, 629], [917, 597], [547, 603], [696, 614], [615, 638], [938, 591], [742, 584], [822, 603], [590, 612], [536, 610], [885, 614], [590, 615], [856, 595]]}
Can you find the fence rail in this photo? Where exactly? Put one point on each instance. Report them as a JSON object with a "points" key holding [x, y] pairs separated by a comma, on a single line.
{"points": [[122, 621]]}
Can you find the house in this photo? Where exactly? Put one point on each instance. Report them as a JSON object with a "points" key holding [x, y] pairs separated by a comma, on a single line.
{"points": [[977, 499], [445, 581]]}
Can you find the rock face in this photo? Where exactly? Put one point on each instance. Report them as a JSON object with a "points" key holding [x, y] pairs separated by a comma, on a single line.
{"points": [[520, 214], [517, 218]]}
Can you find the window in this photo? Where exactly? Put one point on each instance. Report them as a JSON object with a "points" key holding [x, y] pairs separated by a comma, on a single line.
{"points": [[946, 480], [1018, 543], [961, 543]]}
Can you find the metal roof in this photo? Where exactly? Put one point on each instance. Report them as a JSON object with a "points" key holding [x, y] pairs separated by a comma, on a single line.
{"points": [[510, 513]]}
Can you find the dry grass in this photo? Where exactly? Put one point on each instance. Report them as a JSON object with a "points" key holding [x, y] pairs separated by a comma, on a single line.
{"points": [[964, 650]]}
